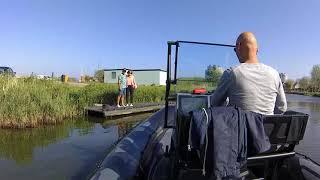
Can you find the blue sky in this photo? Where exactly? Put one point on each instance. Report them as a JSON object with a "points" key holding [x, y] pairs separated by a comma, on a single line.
{"points": [[79, 36]]}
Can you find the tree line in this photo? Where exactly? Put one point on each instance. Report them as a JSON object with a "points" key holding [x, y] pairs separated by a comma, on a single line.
{"points": [[308, 83], [213, 74]]}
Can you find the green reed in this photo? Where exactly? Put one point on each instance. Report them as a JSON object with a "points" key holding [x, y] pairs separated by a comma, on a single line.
{"points": [[29, 102]]}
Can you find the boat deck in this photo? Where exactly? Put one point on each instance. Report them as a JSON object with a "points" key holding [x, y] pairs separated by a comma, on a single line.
{"points": [[107, 111]]}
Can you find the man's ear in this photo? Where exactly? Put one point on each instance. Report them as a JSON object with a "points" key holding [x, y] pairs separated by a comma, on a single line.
{"points": [[257, 51]]}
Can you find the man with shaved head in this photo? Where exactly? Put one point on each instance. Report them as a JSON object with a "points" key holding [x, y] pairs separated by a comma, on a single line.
{"points": [[251, 85]]}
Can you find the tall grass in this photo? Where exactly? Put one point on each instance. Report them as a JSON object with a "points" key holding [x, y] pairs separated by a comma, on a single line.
{"points": [[189, 85], [31, 102], [107, 94]]}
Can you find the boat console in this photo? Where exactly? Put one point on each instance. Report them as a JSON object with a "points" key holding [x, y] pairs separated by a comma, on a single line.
{"points": [[186, 103]]}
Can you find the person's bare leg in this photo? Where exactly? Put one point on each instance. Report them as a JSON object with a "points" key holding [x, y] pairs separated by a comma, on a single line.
{"points": [[122, 100], [118, 100]]}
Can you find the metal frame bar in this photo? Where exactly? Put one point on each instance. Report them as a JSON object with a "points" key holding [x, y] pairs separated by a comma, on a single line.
{"points": [[272, 156], [205, 43], [176, 63], [169, 81]]}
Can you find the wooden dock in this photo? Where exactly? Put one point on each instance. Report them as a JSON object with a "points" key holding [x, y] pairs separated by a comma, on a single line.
{"points": [[107, 111]]}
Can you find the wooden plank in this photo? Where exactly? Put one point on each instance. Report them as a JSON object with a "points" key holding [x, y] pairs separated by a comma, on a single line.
{"points": [[99, 111]]}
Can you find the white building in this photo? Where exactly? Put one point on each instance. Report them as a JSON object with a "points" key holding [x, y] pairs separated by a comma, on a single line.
{"points": [[41, 76], [142, 76]]}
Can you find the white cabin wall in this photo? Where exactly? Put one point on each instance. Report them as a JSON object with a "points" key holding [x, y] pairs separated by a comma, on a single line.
{"points": [[142, 77], [108, 76], [163, 78], [147, 77]]}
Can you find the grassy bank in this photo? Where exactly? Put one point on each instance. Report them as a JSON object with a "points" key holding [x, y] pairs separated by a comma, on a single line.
{"points": [[314, 94], [305, 93], [30, 102]]}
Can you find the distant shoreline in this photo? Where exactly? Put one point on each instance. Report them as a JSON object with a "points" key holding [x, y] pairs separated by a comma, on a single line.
{"points": [[313, 94]]}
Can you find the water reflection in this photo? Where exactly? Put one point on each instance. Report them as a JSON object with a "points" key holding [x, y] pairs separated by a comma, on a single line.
{"points": [[309, 105], [67, 151], [125, 124], [18, 145]]}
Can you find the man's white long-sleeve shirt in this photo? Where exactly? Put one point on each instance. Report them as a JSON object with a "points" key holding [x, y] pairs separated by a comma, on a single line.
{"points": [[252, 87]]}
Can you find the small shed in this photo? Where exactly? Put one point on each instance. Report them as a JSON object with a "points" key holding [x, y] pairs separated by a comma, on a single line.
{"points": [[142, 76]]}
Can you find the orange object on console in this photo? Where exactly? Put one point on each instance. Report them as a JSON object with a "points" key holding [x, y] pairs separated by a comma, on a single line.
{"points": [[199, 91]]}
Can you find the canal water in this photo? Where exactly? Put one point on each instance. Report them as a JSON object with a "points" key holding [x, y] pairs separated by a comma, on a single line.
{"points": [[68, 151], [72, 150], [310, 145]]}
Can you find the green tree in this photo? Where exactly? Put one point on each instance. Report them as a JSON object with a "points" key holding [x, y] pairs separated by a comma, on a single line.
{"points": [[88, 78], [304, 83], [315, 76], [99, 75], [288, 85], [213, 74]]}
